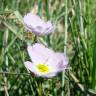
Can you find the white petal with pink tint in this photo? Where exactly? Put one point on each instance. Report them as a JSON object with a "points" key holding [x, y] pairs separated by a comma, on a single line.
{"points": [[35, 24], [30, 66], [39, 53], [58, 61]]}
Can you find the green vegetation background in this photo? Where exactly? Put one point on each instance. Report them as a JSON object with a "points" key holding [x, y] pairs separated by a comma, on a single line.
{"points": [[75, 36]]}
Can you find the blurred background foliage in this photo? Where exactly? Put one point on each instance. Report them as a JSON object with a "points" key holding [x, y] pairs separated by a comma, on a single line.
{"points": [[75, 35]]}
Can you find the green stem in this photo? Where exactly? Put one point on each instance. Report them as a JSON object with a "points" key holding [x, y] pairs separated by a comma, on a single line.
{"points": [[40, 88]]}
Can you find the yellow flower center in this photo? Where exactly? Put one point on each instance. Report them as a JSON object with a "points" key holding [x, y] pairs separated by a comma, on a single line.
{"points": [[43, 68]]}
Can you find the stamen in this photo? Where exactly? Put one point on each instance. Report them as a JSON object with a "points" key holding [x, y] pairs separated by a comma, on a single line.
{"points": [[43, 68]]}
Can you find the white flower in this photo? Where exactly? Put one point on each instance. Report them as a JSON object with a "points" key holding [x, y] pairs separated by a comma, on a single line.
{"points": [[45, 62], [35, 24]]}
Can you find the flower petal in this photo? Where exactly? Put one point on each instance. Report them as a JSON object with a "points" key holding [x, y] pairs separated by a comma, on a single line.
{"points": [[49, 75], [32, 20], [30, 66], [39, 53], [58, 61], [49, 27], [36, 25]]}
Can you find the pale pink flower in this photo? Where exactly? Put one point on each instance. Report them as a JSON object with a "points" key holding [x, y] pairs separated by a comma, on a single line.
{"points": [[45, 62], [35, 24]]}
